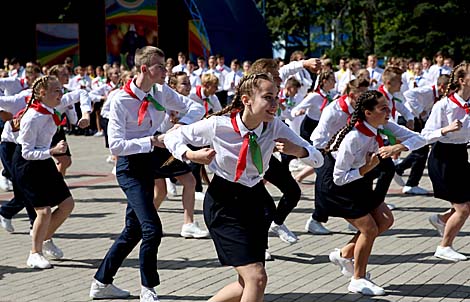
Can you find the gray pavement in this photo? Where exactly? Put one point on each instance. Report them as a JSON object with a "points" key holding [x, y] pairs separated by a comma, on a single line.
{"points": [[402, 260]]}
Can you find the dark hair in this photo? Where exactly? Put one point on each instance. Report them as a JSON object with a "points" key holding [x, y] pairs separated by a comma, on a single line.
{"points": [[366, 101], [247, 85], [459, 72]]}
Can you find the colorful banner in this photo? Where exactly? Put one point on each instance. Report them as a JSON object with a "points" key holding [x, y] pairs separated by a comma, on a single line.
{"points": [[130, 24], [55, 42], [198, 41]]}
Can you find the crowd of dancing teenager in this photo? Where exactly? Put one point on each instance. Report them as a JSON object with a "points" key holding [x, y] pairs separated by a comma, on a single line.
{"points": [[248, 124]]}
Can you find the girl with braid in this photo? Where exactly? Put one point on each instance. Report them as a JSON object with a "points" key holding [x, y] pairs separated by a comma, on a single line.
{"points": [[449, 127], [237, 207], [350, 156], [35, 174]]}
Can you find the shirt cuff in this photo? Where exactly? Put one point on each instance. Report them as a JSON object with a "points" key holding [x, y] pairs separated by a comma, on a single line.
{"points": [[180, 151]]}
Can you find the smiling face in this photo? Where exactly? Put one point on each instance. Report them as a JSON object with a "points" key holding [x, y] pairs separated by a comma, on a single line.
{"points": [[262, 104], [51, 93]]}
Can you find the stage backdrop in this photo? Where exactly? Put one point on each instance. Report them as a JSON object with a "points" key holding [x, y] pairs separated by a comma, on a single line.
{"points": [[198, 42], [55, 42], [130, 24]]}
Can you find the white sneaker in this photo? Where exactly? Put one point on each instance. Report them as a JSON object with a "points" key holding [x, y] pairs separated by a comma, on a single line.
{"points": [[414, 190], [315, 227], [110, 159], [399, 180], [365, 287], [448, 253], [99, 133], [268, 256], [148, 295], [437, 223], [283, 232], [391, 206], [199, 195], [99, 290], [113, 171], [51, 250], [295, 165], [4, 183], [192, 230], [37, 260], [171, 187], [347, 265], [6, 224]]}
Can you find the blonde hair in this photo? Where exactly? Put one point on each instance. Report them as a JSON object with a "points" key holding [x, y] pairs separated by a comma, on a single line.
{"points": [[144, 55], [209, 78]]}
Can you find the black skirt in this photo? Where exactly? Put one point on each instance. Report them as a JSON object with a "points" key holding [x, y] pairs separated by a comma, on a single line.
{"points": [[163, 169], [38, 181], [58, 136], [306, 128], [238, 219], [448, 169], [352, 200]]}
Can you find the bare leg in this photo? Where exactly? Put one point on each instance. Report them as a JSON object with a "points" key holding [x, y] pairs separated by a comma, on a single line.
{"points": [[40, 227], [384, 220], [160, 192], [63, 163], [307, 171], [59, 215], [230, 293], [444, 217], [455, 223], [189, 188]]}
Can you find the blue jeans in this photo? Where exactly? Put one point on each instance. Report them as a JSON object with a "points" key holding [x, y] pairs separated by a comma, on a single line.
{"points": [[135, 176]]}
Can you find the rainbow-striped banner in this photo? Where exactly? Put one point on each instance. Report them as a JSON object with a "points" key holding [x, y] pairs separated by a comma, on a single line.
{"points": [[55, 42], [198, 41], [130, 24]]}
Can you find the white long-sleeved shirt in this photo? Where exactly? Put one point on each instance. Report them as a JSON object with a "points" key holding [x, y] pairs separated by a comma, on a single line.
{"points": [[351, 154], [231, 81], [13, 85], [443, 113], [398, 100], [218, 132], [420, 100], [36, 132], [331, 120], [126, 137], [311, 104]]}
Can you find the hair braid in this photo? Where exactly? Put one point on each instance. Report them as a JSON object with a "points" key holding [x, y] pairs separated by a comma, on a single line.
{"points": [[459, 71], [366, 101]]}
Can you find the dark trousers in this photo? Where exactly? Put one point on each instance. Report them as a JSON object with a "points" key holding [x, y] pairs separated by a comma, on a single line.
{"points": [[280, 176], [135, 177], [416, 160], [17, 203], [384, 173]]}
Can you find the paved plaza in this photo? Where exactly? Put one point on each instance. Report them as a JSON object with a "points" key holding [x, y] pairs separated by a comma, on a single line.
{"points": [[402, 259]]}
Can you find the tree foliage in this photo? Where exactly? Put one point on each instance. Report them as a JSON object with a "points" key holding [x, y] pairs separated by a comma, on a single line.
{"points": [[406, 28]]}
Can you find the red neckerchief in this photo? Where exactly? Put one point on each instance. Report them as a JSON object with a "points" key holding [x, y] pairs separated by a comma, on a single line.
{"points": [[367, 132], [464, 107], [39, 108], [204, 100], [325, 99], [343, 105], [382, 90], [23, 83], [143, 106]]}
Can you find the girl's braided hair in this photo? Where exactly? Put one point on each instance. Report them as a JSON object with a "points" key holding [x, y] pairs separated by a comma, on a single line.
{"points": [[39, 83], [366, 101]]}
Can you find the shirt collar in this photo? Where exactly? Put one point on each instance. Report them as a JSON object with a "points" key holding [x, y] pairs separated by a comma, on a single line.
{"points": [[458, 98], [137, 91], [350, 107], [243, 130], [371, 128], [51, 110]]}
